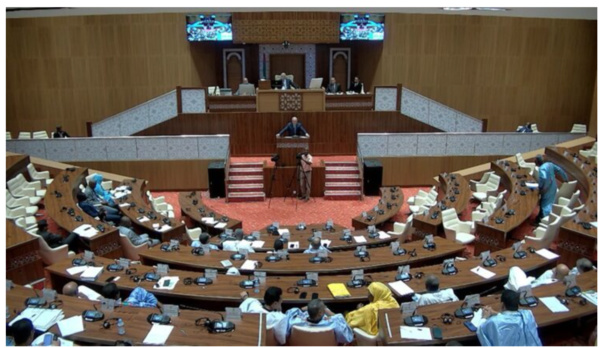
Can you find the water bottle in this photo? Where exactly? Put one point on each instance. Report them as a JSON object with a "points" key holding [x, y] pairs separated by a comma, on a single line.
{"points": [[121, 326]]}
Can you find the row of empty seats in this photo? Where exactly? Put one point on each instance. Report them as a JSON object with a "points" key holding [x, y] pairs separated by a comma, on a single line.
{"points": [[30, 135]]}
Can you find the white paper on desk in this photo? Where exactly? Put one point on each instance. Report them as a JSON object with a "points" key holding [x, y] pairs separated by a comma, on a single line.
{"points": [[401, 288], [86, 230], [384, 235], [76, 269], [415, 333], [171, 286], [554, 304], [547, 254], [164, 228], [249, 265], [89, 293], [120, 194], [257, 244], [483, 272], [158, 334], [91, 273], [42, 319], [207, 219], [124, 205], [359, 239], [220, 225], [595, 224], [532, 185], [283, 230], [143, 219], [326, 242], [477, 320], [71, 326]]}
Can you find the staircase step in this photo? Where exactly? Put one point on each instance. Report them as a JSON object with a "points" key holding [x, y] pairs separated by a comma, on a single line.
{"points": [[342, 178], [246, 165], [245, 171], [253, 187], [246, 179], [341, 170], [342, 195], [340, 164], [246, 196], [342, 185]]}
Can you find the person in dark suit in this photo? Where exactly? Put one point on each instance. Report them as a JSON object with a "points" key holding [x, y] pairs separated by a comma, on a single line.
{"points": [[91, 210], [287, 83], [54, 240], [60, 133], [356, 86], [294, 128], [333, 86]]}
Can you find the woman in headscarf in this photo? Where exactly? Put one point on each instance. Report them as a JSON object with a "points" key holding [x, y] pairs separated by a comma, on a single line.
{"points": [[366, 317]]}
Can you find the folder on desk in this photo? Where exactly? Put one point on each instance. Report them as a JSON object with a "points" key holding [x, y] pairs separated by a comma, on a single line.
{"points": [[91, 273], [338, 290]]}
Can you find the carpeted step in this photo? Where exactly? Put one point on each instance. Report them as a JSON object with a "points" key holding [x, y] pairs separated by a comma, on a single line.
{"points": [[245, 187], [342, 195], [340, 164], [246, 179], [246, 196], [342, 178], [246, 165], [342, 185], [245, 171], [341, 170]]}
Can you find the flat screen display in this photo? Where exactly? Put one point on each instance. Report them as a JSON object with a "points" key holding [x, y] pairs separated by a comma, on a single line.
{"points": [[215, 27], [362, 26]]}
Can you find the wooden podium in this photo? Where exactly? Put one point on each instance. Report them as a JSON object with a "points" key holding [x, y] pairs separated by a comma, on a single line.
{"points": [[289, 147]]}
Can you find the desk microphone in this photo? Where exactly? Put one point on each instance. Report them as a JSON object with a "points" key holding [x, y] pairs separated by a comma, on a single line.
{"points": [[405, 277], [249, 283], [416, 320], [572, 291], [36, 301]]}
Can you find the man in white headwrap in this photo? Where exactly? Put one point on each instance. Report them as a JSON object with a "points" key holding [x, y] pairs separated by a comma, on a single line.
{"points": [[517, 279]]}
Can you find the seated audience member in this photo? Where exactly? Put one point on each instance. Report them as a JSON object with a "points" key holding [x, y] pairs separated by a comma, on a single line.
{"points": [[239, 242], [316, 247], [433, 295], [204, 240], [356, 86], [366, 317], [139, 297], [71, 289], [278, 245], [517, 279], [126, 230], [333, 86], [54, 240], [60, 133], [511, 327], [95, 199], [275, 318], [318, 315], [105, 195], [90, 210], [244, 81], [527, 128], [22, 332], [552, 275], [294, 128], [583, 265]]}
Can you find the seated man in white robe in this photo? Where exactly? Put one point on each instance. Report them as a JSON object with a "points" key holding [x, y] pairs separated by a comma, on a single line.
{"points": [[517, 279], [316, 247], [276, 320], [511, 327], [552, 275], [433, 295], [239, 242]]}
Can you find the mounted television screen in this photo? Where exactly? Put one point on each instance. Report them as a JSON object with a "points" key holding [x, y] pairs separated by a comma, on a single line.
{"points": [[216, 27], [362, 27]]}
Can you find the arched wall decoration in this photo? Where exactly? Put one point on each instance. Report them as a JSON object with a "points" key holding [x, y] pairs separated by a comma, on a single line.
{"points": [[227, 54], [346, 53]]}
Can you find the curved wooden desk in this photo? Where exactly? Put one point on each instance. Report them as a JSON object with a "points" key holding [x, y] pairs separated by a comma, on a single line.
{"points": [[198, 211], [23, 262], [494, 236], [139, 198], [249, 331], [303, 236], [389, 195], [389, 320], [574, 240], [451, 185], [343, 261], [225, 290], [67, 184]]}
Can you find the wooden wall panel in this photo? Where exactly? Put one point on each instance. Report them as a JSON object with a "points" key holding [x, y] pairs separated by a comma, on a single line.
{"points": [[332, 133], [592, 128], [420, 171], [295, 27], [175, 175]]}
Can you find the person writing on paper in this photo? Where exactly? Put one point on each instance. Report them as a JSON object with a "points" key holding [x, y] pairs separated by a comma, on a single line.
{"points": [[287, 83], [333, 86], [316, 247], [276, 320], [126, 230], [433, 295], [306, 175], [366, 317], [293, 129], [71, 289], [139, 297], [547, 185], [204, 240], [239, 242], [552, 275], [54, 240], [317, 315], [517, 279], [356, 86], [583, 265], [511, 327], [90, 210]]}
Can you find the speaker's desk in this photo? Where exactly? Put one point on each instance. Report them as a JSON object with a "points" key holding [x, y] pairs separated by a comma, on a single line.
{"points": [[276, 100], [289, 147]]}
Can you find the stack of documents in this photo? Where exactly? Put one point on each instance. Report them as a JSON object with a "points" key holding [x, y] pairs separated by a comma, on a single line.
{"points": [[249, 265], [338, 290], [401, 288], [384, 235], [158, 334], [86, 231], [359, 239], [42, 319], [591, 296], [209, 221], [71, 326], [91, 273], [76, 269], [220, 225]]}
